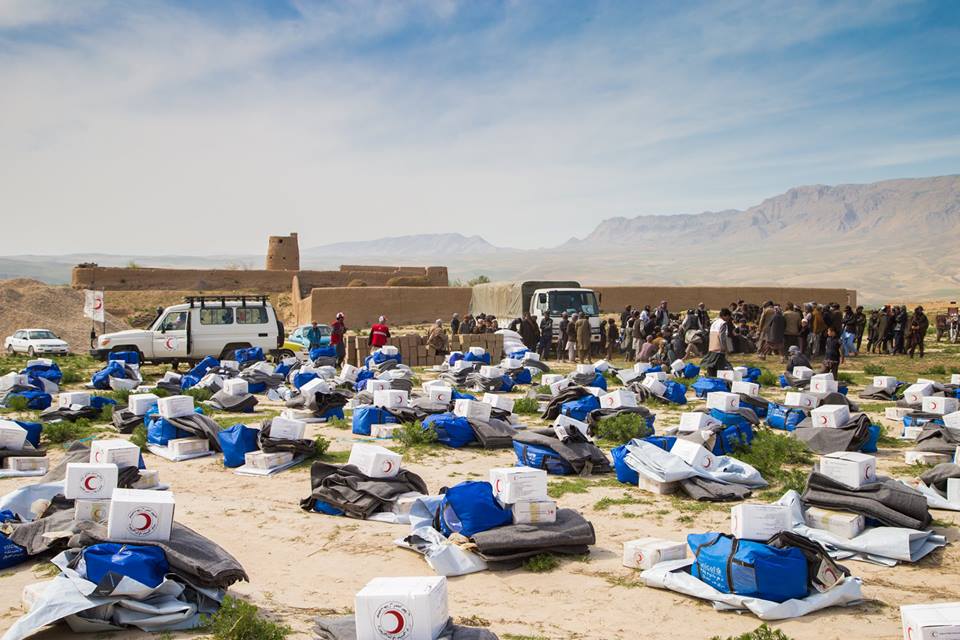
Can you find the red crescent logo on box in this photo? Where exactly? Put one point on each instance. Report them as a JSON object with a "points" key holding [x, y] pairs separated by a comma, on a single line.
{"points": [[98, 455], [638, 558], [823, 419], [909, 633], [391, 621], [142, 521], [707, 462], [498, 485], [387, 466], [91, 483]]}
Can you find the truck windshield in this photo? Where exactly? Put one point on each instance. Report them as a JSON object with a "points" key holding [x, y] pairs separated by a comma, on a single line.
{"points": [[573, 302]]}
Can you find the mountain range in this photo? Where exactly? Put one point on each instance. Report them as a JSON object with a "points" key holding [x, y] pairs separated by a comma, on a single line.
{"points": [[890, 240]]}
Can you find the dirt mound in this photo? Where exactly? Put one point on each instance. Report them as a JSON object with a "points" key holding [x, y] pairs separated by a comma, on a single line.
{"points": [[29, 303]]}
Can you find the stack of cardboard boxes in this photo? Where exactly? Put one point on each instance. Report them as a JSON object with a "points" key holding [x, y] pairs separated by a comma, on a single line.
{"points": [[524, 490]]}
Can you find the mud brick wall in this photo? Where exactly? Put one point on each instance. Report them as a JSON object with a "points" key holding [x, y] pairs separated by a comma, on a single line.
{"points": [[614, 298], [362, 306]]}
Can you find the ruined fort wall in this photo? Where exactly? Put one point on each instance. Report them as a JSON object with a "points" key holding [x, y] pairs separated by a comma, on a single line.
{"points": [[401, 305]]}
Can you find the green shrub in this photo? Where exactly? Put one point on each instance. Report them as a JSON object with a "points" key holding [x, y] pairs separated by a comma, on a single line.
{"points": [[320, 446], [622, 428], [937, 370], [199, 395], [845, 376], [70, 376], [541, 563], [122, 396], [160, 393], [874, 370], [239, 620], [106, 413], [17, 403], [768, 379], [763, 632], [64, 431], [139, 437], [770, 453], [338, 423], [412, 434], [543, 388], [526, 406]]}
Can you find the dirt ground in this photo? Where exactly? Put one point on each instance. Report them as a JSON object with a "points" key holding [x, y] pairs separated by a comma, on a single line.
{"points": [[303, 565]]}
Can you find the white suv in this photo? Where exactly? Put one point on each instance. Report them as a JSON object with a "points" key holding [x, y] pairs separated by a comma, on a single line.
{"points": [[202, 326]]}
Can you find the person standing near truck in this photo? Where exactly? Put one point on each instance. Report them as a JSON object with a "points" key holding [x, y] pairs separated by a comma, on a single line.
{"points": [[338, 331], [546, 337]]}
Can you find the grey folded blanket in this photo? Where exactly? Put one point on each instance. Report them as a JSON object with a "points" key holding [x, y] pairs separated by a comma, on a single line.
{"points": [[571, 534], [345, 628], [584, 457], [705, 490], [358, 496], [824, 440], [938, 476], [886, 500]]}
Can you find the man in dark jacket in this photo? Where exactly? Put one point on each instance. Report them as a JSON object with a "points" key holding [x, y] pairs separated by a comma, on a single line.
{"points": [[546, 337], [529, 332], [861, 324], [562, 342], [791, 327], [919, 324], [883, 330], [703, 316], [455, 324], [900, 328]]}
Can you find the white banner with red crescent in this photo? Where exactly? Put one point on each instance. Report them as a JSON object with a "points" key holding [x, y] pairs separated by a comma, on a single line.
{"points": [[93, 305]]}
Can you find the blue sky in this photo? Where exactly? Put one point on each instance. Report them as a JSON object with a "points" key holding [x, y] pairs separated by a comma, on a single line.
{"points": [[524, 122]]}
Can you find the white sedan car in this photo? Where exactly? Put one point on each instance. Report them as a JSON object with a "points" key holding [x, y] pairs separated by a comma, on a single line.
{"points": [[35, 342]]}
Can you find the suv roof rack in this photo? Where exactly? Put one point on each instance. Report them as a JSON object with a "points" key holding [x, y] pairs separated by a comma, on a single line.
{"points": [[205, 301]]}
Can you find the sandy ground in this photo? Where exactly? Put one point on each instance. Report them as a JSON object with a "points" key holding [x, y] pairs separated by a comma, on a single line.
{"points": [[303, 565]]}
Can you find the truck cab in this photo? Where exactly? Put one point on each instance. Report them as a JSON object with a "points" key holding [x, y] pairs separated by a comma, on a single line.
{"points": [[570, 300], [509, 300], [201, 326]]}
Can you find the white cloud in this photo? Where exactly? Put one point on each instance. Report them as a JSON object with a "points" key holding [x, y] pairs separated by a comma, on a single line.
{"points": [[342, 125]]}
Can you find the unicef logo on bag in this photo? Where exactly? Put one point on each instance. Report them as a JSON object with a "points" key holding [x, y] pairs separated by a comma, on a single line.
{"points": [[142, 521], [393, 621]]}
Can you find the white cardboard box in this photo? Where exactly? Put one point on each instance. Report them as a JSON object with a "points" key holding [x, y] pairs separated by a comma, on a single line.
{"points": [[175, 406], [911, 433], [491, 372], [402, 608], [236, 386], [115, 451], [925, 457], [831, 415], [70, 398], [885, 382], [899, 413], [385, 431], [655, 486], [641, 367], [140, 403], [953, 490], [477, 351], [137, 515], [472, 409], [27, 463], [287, 429], [938, 621], [560, 385], [851, 468], [723, 401], [514, 484], [12, 435], [390, 398], [802, 373], [499, 401], [460, 365], [955, 378], [374, 385], [375, 461], [90, 481], [149, 478], [952, 420], [233, 365], [692, 421], [915, 393], [647, 552], [443, 395], [91, 511], [729, 374], [656, 375], [188, 446], [566, 421], [586, 369], [677, 365], [548, 379], [939, 406], [534, 511], [823, 385], [389, 350], [693, 454], [758, 521], [618, 398], [749, 388], [801, 400], [655, 387], [839, 523], [267, 461], [349, 372]]}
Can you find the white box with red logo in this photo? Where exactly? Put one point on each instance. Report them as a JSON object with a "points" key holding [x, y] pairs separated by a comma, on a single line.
{"points": [[140, 515], [850, 468], [188, 446], [677, 366], [267, 461], [515, 484], [287, 428], [390, 398], [939, 406], [73, 398], [374, 385], [802, 373], [617, 399], [730, 374], [140, 403], [115, 451], [441, 394], [534, 511], [12, 435], [586, 369], [830, 415], [747, 388], [375, 461], [548, 379], [566, 421], [693, 454], [841, 523], [653, 385], [641, 367], [90, 481], [723, 401], [472, 410], [175, 406], [939, 621], [693, 421], [758, 521], [498, 401], [91, 511], [823, 383], [885, 382], [801, 400], [560, 385], [656, 375], [647, 552], [27, 463], [915, 393], [349, 372], [236, 386], [402, 608]]}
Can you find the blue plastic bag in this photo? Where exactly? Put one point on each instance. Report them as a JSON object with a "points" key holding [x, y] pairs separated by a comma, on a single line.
{"points": [[303, 377], [531, 455], [160, 432], [367, 415], [690, 370], [10, 553], [523, 376], [506, 384], [145, 564], [335, 412], [101, 379], [326, 351], [485, 358], [250, 354], [236, 442], [782, 417], [34, 429], [452, 430], [36, 400], [579, 408], [129, 357], [469, 508], [624, 473], [703, 386], [675, 392], [599, 382], [870, 446]]}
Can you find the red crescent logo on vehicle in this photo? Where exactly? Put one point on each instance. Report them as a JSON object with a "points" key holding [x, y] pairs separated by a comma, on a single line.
{"points": [[92, 482], [391, 620], [170, 343]]}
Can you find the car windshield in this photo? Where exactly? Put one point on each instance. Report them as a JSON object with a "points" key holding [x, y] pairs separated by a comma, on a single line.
{"points": [[42, 335], [573, 302], [325, 330]]}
